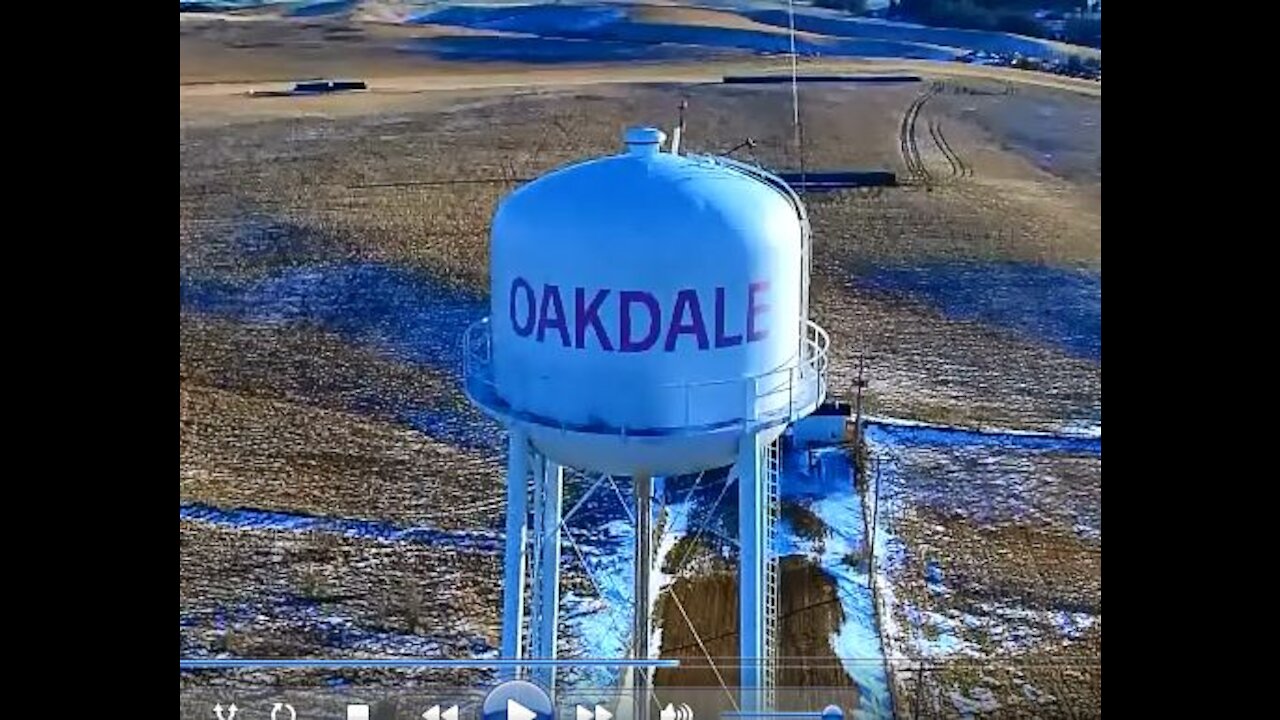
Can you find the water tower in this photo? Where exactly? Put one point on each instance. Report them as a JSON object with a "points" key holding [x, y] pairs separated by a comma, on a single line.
{"points": [[649, 317]]}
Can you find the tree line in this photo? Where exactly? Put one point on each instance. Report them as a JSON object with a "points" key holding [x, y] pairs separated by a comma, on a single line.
{"points": [[1012, 16]]}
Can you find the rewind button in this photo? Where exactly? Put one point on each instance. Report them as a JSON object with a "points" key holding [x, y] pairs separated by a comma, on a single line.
{"points": [[434, 713]]}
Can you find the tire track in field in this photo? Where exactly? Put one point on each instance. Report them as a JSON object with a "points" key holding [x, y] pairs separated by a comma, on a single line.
{"points": [[917, 171], [958, 166], [907, 144]]}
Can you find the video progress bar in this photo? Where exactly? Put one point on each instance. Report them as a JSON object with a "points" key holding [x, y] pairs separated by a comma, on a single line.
{"points": [[813, 714], [268, 664]]}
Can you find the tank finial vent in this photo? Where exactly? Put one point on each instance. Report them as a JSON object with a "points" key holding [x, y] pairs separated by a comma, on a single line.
{"points": [[644, 140]]}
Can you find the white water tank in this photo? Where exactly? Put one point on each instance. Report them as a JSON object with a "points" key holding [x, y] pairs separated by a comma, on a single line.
{"points": [[647, 309]]}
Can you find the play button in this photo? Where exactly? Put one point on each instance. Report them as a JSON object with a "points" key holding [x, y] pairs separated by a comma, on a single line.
{"points": [[518, 700], [516, 711]]}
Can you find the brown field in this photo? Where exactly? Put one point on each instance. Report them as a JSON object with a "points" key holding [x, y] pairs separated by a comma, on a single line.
{"points": [[706, 18], [236, 56], [807, 615], [922, 365], [990, 580]]}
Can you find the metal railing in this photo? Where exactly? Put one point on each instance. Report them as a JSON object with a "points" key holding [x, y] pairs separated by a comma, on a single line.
{"points": [[782, 395]]}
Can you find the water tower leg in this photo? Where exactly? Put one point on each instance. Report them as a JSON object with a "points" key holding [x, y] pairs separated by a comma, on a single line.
{"points": [[514, 556], [644, 558], [537, 468], [751, 566], [548, 594]]}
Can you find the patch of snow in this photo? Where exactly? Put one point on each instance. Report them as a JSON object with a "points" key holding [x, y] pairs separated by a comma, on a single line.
{"points": [[916, 434], [1073, 625], [480, 541], [826, 484], [1087, 532], [979, 700]]}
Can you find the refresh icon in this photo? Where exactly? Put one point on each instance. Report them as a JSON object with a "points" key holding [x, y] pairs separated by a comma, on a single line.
{"points": [[276, 715]]}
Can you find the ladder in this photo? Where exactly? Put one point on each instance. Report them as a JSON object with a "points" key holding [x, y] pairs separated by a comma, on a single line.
{"points": [[771, 584]]}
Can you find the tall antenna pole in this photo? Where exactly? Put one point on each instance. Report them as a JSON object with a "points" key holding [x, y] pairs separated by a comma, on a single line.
{"points": [[795, 91]]}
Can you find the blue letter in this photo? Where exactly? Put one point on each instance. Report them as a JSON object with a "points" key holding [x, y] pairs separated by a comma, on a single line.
{"points": [[753, 309], [551, 293], [628, 297], [589, 314], [722, 340], [526, 328], [689, 299]]}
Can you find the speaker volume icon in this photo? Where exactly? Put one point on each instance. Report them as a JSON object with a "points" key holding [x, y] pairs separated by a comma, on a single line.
{"points": [[671, 712]]}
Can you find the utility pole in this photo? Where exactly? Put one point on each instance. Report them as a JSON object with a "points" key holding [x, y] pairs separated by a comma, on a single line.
{"points": [[919, 690], [857, 412]]}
